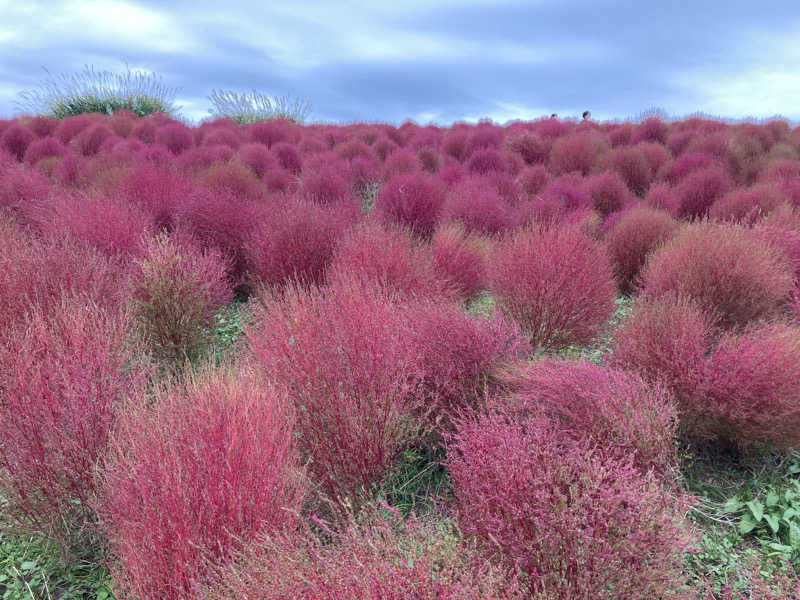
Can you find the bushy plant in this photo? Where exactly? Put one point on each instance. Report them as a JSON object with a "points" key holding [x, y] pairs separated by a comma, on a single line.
{"points": [[414, 200], [91, 91], [16, 139], [632, 166], [608, 192], [177, 289], [750, 390], [296, 242], [44, 148], [556, 282], [578, 152], [390, 258], [460, 258], [477, 205], [61, 380], [664, 340], [700, 189], [725, 268], [377, 555], [176, 137], [189, 476], [578, 521], [486, 161], [633, 237], [288, 156], [256, 106], [617, 409], [747, 205]]}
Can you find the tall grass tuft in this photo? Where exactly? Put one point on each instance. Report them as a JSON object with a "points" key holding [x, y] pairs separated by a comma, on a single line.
{"points": [[256, 106]]}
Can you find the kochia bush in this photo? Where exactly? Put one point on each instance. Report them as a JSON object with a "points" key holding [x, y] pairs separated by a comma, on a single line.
{"points": [[414, 200], [557, 283], [460, 258], [725, 268], [215, 461], [579, 522]]}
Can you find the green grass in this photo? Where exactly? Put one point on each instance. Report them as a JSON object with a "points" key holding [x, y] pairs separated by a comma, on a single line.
{"points": [[255, 106], [32, 568]]}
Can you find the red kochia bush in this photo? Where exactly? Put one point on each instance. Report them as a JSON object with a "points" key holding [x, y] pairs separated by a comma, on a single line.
{"points": [[188, 477], [750, 392], [576, 153], [616, 409], [460, 259], [43, 148], [747, 205], [345, 355], [176, 137], [258, 158], [476, 204], [177, 289], [61, 380], [296, 242], [557, 283], [700, 189], [269, 132], [157, 189], [632, 166], [378, 556], [288, 156], [414, 200], [484, 162], [664, 340], [88, 142], [531, 147], [387, 257], [633, 237], [235, 177], [725, 268], [609, 193], [579, 522], [16, 139], [325, 186]]}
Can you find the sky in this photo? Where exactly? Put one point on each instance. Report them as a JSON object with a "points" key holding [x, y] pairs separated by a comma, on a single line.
{"points": [[434, 61]]}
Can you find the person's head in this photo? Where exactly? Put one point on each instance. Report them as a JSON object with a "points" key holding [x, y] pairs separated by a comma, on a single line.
{"points": [[554, 116], [586, 115]]}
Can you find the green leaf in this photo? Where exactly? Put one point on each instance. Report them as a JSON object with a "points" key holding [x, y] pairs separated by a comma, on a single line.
{"points": [[756, 509], [788, 514], [794, 535], [732, 505], [772, 521], [27, 565], [782, 548], [747, 524], [772, 498]]}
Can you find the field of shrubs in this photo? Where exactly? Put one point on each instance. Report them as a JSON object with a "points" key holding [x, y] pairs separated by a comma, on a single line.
{"points": [[551, 360]]}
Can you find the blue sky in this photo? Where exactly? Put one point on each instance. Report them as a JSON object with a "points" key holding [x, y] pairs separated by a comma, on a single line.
{"points": [[431, 61]]}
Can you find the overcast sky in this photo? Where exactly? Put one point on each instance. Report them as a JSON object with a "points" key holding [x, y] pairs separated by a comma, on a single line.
{"points": [[430, 61]]}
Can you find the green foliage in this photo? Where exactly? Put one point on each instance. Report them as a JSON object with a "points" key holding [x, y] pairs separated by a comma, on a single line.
{"points": [[228, 328], [33, 568], [91, 91], [482, 305], [416, 482], [256, 106]]}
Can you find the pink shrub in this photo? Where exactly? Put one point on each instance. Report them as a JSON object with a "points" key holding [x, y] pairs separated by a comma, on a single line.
{"points": [[88, 141], [619, 411], [484, 162], [579, 522], [485, 136], [122, 122], [620, 134], [16, 139], [557, 283], [222, 135], [195, 159], [663, 196], [288, 156], [344, 355], [678, 142], [725, 268], [700, 189], [61, 380], [114, 227], [296, 242], [475, 204], [456, 143], [634, 236], [664, 340], [401, 162], [71, 126], [378, 555], [177, 289], [652, 129], [784, 239], [684, 165], [389, 258], [21, 186], [550, 128], [233, 177], [220, 220], [268, 132], [578, 152], [42, 126], [747, 205], [657, 155], [458, 355], [608, 192], [414, 200], [750, 391], [532, 148], [569, 191], [383, 148], [429, 159], [256, 156], [326, 186], [220, 449], [43, 148], [533, 179], [156, 189], [176, 137], [460, 259], [632, 166]]}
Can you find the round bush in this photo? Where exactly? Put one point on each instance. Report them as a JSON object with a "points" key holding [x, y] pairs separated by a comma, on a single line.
{"points": [[460, 259], [557, 283], [725, 268], [579, 522], [413, 200]]}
